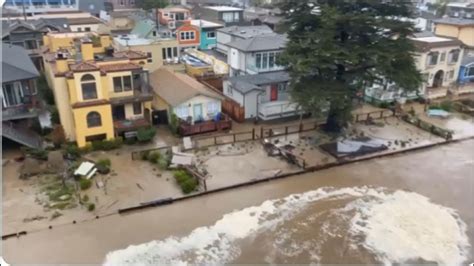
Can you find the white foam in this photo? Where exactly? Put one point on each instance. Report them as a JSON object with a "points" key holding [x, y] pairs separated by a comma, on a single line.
{"points": [[422, 229]]}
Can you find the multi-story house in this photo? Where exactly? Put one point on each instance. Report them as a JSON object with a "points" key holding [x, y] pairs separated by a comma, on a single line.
{"points": [[18, 94], [463, 30], [29, 34], [53, 6], [208, 32], [231, 34], [255, 55], [460, 10], [89, 23], [188, 36], [438, 59], [120, 4], [225, 15], [172, 16], [100, 94]]}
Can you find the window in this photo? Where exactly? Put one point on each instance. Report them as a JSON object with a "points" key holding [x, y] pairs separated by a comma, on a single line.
{"points": [[258, 61], [271, 60], [163, 53], [175, 51], [187, 35], [149, 60], [433, 58], [469, 71], [94, 119], [137, 108], [89, 90], [182, 112], [454, 56], [236, 16], [228, 17], [87, 29], [122, 83], [211, 35], [170, 55], [212, 108], [229, 90], [264, 60], [22, 44], [79, 29], [153, 33], [443, 57]]}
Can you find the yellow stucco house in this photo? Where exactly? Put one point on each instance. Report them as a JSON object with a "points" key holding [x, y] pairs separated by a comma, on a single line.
{"points": [[100, 94]]}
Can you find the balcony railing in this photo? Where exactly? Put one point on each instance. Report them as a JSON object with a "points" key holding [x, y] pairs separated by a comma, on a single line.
{"points": [[142, 95], [253, 69], [18, 112], [187, 129], [130, 124], [278, 109]]}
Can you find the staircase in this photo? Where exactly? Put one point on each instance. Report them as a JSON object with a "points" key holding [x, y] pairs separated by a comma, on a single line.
{"points": [[21, 135]]}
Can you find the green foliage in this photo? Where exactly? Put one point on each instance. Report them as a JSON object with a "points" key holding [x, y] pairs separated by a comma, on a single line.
{"points": [[44, 91], [337, 49], [91, 207], [174, 123], [86, 149], [55, 195], [153, 157], [185, 180], [144, 155], [151, 4], [130, 141], [39, 154], [146, 134], [85, 198], [72, 151], [103, 166], [164, 162], [55, 116], [85, 183], [107, 145]]}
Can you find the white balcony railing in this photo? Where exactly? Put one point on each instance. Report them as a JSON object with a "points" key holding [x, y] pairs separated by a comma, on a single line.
{"points": [[278, 109]]}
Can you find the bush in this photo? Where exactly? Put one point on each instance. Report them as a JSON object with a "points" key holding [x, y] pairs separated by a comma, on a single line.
{"points": [[384, 105], [91, 207], [103, 166], [130, 141], [181, 176], [72, 151], [39, 154], [85, 183], [85, 198], [106, 145], [164, 162], [174, 123], [146, 134], [153, 157], [189, 186], [144, 155], [86, 149], [54, 116], [44, 91], [58, 137]]}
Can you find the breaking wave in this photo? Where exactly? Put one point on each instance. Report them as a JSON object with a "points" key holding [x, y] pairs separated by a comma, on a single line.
{"points": [[394, 227]]}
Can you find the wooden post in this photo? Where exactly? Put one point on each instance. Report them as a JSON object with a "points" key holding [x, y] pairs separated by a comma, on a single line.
{"points": [[261, 132], [301, 127], [368, 116], [286, 130], [234, 137], [215, 140], [253, 133]]}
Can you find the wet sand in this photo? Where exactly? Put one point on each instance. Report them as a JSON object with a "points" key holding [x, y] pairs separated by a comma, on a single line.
{"points": [[444, 174]]}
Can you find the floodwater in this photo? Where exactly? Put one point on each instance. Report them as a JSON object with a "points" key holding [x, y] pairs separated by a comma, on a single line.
{"points": [[413, 208]]}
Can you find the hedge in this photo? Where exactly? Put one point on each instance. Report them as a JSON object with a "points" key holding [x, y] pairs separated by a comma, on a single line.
{"points": [[106, 145], [85, 183], [146, 134], [185, 180]]}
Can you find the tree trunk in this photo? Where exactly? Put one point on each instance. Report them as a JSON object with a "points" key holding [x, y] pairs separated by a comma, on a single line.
{"points": [[337, 117], [157, 22]]}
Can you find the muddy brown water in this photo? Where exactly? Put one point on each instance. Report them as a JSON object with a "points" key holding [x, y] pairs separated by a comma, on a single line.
{"points": [[443, 174]]}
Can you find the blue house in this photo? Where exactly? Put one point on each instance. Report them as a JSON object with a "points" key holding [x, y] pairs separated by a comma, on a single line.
{"points": [[208, 33], [466, 73]]}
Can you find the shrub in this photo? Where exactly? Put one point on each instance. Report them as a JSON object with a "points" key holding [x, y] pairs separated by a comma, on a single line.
{"points": [[103, 166], [174, 123], [164, 162], [39, 154], [181, 176], [146, 134], [86, 149], [130, 141], [72, 151], [144, 155], [58, 137], [106, 145], [189, 185], [91, 207], [153, 157], [384, 105], [85, 183], [85, 198], [54, 116]]}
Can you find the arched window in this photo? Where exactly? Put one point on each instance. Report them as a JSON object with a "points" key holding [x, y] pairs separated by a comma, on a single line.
{"points": [[89, 90], [94, 120]]}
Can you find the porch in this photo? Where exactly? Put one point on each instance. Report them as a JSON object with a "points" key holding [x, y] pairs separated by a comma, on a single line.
{"points": [[186, 129], [277, 109]]}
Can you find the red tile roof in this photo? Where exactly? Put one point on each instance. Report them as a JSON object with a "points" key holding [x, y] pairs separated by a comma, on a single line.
{"points": [[131, 54], [119, 67], [83, 66]]}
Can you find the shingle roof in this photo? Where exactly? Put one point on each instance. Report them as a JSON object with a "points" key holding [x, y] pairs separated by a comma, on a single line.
{"points": [[16, 64], [83, 66], [260, 43], [247, 31], [176, 88], [247, 83], [131, 54], [35, 25], [455, 21]]}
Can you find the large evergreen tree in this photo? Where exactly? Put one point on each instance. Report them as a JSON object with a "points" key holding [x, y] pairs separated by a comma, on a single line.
{"points": [[153, 6], [337, 46]]}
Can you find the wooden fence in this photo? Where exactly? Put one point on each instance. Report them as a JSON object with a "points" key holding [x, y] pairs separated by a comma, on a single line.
{"points": [[275, 131], [234, 110], [221, 139], [373, 115]]}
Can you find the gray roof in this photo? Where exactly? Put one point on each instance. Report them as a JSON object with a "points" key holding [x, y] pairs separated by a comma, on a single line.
{"points": [[247, 83], [468, 58], [35, 25], [260, 43], [455, 21], [247, 31], [16, 64]]}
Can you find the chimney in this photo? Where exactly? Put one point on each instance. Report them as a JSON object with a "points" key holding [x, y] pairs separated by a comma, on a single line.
{"points": [[61, 63], [87, 50]]}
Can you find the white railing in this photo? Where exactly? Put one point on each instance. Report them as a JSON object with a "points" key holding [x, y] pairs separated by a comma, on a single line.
{"points": [[272, 110]]}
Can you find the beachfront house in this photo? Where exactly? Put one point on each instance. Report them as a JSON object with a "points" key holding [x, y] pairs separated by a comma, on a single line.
{"points": [[229, 35], [197, 107], [171, 17], [255, 55], [438, 59], [208, 33], [263, 96], [19, 96], [100, 94], [188, 35], [225, 15]]}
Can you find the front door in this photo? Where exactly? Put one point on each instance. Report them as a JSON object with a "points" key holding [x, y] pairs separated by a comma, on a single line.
{"points": [[274, 92], [118, 112], [197, 111]]}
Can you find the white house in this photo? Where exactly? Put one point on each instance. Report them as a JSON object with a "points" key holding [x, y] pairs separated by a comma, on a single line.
{"points": [[438, 59], [255, 55], [184, 96], [231, 34], [264, 96]]}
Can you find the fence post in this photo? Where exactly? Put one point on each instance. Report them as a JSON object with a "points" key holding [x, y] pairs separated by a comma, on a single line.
{"points": [[381, 113], [261, 132], [368, 116], [253, 133], [234, 137], [286, 130], [301, 127], [215, 140]]}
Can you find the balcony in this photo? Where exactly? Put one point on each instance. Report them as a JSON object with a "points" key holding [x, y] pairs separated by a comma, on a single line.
{"points": [[125, 125], [253, 69], [277, 109], [187, 129], [18, 112], [139, 95]]}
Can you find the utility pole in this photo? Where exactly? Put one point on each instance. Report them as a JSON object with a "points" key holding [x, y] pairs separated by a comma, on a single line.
{"points": [[23, 7]]}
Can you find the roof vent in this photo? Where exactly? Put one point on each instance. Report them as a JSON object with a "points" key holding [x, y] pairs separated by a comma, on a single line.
{"points": [[242, 32]]}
